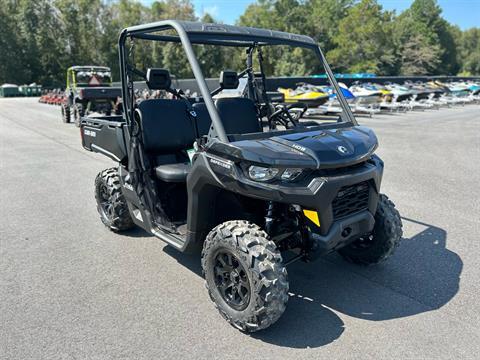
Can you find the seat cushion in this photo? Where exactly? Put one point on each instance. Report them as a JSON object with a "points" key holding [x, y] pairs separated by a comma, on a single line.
{"points": [[173, 172]]}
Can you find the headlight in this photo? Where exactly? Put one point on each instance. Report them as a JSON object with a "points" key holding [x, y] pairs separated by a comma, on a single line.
{"points": [[259, 173], [291, 174]]}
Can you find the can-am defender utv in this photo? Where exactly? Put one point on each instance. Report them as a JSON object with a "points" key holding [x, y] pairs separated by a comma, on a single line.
{"points": [[245, 181], [89, 89]]}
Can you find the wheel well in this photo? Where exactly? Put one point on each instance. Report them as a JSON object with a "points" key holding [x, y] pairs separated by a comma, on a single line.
{"points": [[215, 206]]}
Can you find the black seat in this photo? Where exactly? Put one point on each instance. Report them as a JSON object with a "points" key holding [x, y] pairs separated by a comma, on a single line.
{"points": [[204, 122], [167, 133], [173, 172], [239, 115]]}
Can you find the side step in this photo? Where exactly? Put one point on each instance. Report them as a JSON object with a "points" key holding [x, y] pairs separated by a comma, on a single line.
{"points": [[171, 239]]}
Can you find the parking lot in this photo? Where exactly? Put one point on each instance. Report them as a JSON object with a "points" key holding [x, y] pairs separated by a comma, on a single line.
{"points": [[72, 289]]}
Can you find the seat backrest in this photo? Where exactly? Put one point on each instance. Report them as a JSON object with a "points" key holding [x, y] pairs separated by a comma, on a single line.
{"points": [[238, 115], [204, 120], [165, 125]]}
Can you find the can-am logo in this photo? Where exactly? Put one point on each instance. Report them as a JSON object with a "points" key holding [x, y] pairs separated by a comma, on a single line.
{"points": [[90, 133], [342, 149]]}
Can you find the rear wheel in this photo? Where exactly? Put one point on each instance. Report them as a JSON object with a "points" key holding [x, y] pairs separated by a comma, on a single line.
{"points": [[244, 275], [78, 113], [111, 203], [65, 113], [382, 242]]}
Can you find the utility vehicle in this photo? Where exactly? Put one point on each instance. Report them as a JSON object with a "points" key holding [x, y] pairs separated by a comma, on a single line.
{"points": [[89, 89], [252, 186]]}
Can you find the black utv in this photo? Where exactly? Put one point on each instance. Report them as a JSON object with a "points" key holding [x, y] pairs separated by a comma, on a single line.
{"points": [[244, 181], [89, 89]]}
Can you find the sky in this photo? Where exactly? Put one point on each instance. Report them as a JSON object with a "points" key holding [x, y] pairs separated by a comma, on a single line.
{"points": [[464, 13]]}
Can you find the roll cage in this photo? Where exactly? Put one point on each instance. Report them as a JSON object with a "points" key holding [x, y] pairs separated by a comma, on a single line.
{"points": [[189, 33], [72, 72]]}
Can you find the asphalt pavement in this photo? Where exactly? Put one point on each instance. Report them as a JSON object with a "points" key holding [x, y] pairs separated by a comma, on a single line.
{"points": [[71, 289]]}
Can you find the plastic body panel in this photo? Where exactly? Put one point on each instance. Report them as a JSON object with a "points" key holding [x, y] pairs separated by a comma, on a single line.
{"points": [[99, 93], [105, 135], [210, 172]]}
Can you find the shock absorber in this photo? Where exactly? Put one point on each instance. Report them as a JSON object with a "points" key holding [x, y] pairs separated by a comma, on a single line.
{"points": [[269, 218]]}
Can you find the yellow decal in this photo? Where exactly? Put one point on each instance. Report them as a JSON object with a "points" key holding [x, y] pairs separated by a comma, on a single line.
{"points": [[312, 216]]}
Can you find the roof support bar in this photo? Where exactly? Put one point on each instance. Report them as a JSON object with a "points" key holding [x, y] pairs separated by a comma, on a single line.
{"points": [[197, 71]]}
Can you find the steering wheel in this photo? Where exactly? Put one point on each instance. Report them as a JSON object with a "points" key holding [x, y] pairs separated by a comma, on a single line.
{"points": [[287, 115]]}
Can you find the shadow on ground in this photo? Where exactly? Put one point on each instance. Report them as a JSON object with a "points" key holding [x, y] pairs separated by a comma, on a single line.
{"points": [[136, 232], [422, 276]]}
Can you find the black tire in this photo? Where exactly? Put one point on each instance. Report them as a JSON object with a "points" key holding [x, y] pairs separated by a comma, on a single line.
{"points": [[262, 277], [78, 113], [65, 113], [111, 204], [382, 242]]}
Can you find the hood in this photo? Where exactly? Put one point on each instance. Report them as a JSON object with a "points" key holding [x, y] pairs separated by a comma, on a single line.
{"points": [[335, 147], [313, 149]]}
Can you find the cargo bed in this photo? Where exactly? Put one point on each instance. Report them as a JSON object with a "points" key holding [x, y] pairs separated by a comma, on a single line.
{"points": [[105, 135], [92, 93]]}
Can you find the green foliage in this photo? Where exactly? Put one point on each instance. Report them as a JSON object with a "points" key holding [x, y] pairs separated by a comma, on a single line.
{"points": [[324, 17], [469, 51], [42, 38], [363, 41]]}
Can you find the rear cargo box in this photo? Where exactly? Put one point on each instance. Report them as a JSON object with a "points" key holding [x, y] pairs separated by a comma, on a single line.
{"points": [[100, 93], [105, 135]]}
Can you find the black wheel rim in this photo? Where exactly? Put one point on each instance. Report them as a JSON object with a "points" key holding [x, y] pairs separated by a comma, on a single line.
{"points": [[231, 280], [105, 203]]}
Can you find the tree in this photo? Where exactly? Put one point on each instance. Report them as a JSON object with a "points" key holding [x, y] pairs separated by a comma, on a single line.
{"points": [[174, 57], [363, 40], [11, 55], [469, 50], [44, 37], [324, 17], [423, 25], [419, 58]]}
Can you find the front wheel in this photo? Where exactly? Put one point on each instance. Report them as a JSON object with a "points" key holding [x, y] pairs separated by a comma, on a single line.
{"points": [[111, 203], [244, 275], [382, 242]]}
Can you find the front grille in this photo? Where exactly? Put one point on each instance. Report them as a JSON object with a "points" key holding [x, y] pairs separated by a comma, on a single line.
{"points": [[338, 171], [350, 200]]}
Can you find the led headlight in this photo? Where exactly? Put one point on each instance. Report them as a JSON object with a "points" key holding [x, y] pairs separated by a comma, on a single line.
{"points": [[291, 174], [259, 173]]}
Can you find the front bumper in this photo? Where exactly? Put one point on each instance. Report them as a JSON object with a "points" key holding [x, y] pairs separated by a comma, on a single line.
{"points": [[340, 234]]}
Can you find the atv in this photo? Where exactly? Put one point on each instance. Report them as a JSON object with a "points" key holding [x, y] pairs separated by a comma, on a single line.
{"points": [[239, 180], [88, 90]]}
